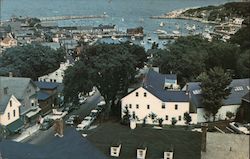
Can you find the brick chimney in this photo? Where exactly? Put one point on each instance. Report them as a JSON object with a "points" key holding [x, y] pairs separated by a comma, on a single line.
{"points": [[204, 127]]}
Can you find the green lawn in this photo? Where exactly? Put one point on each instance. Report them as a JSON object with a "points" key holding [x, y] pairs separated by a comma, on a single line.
{"points": [[186, 144]]}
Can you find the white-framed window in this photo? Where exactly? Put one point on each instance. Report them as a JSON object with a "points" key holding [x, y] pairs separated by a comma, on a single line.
{"points": [[166, 117], [137, 106], [137, 94], [148, 106], [145, 94], [179, 117], [10, 103], [14, 113], [176, 106], [130, 106], [163, 106], [8, 116]]}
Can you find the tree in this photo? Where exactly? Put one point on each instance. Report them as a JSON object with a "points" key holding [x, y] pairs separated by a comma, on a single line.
{"points": [[126, 117], [32, 60], [214, 86], [173, 121], [109, 67], [160, 120], [187, 118]]}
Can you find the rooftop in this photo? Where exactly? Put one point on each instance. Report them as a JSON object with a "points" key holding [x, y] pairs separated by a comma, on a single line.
{"points": [[154, 83], [240, 87]]}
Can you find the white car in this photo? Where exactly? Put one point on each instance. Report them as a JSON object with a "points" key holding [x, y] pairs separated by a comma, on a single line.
{"points": [[101, 103], [82, 101], [85, 123], [239, 128], [70, 120], [94, 113]]}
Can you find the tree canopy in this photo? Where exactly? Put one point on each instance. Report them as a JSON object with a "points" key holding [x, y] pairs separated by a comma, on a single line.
{"points": [[32, 60], [214, 87], [109, 67], [192, 55]]}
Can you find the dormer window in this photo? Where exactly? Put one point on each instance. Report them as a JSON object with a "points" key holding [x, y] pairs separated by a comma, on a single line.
{"points": [[176, 106], [5, 90]]}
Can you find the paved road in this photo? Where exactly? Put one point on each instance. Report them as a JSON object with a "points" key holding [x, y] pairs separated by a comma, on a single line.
{"points": [[43, 137]]}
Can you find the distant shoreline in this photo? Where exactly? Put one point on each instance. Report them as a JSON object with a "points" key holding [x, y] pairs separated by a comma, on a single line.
{"points": [[178, 14]]}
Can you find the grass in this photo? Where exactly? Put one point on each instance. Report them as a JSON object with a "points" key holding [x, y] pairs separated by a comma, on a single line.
{"points": [[186, 144]]}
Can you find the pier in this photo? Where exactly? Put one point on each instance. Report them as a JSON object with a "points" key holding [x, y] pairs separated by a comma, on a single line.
{"points": [[55, 18]]}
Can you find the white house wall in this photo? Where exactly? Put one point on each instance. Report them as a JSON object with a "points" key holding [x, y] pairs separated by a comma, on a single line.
{"points": [[155, 106], [56, 76], [221, 115], [4, 120]]}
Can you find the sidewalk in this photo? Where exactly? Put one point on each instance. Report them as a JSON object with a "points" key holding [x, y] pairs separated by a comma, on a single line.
{"points": [[27, 132]]}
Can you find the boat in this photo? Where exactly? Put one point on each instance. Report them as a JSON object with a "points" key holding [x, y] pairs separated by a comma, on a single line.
{"points": [[142, 42], [122, 19], [133, 38], [121, 40], [158, 31], [176, 32], [189, 28], [113, 37], [162, 24], [149, 40]]}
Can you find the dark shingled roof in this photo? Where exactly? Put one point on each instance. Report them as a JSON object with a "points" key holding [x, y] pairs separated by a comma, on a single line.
{"points": [[72, 145], [240, 87], [3, 102], [42, 95], [154, 83], [246, 97], [46, 85]]}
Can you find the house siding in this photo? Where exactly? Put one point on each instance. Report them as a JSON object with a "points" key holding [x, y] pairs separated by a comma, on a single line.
{"points": [[155, 106], [9, 109]]}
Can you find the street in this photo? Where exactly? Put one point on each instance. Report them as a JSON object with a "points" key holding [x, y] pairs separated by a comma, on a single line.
{"points": [[43, 137]]}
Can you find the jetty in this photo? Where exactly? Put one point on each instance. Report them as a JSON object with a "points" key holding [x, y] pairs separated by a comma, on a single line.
{"points": [[55, 18]]}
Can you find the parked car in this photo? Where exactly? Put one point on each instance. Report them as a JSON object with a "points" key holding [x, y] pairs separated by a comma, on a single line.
{"points": [[69, 109], [82, 101], [94, 113], [47, 123], [99, 109], [85, 123], [71, 119], [101, 103], [239, 128]]}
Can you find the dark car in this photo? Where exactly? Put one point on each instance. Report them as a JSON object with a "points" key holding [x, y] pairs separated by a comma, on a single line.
{"points": [[46, 124]]}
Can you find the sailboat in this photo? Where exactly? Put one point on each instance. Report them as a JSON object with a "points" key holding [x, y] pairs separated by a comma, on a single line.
{"points": [[162, 24]]}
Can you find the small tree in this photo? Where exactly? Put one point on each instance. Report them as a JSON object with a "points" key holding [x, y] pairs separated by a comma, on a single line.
{"points": [[174, 121], [126, 117], [144, 122], [152, 116], [160, 120], [187, 118], [230, 115]]}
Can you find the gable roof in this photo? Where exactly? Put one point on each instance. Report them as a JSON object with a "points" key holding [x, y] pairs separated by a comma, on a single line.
{"points": [[72, 145], [42, 95], [239, 88], [46, 85], [154, 83], [3, 102], [16, 85]]}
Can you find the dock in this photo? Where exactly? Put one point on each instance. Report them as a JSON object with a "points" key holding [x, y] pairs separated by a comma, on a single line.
{"points": [[55, 18]]}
